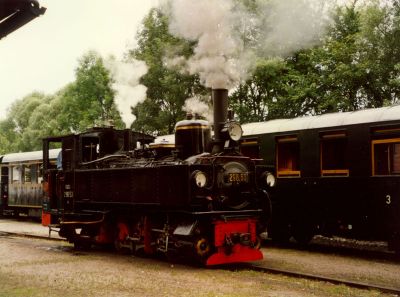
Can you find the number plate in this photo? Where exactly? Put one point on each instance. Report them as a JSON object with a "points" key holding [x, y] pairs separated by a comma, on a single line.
{"points": [[238, 177]]}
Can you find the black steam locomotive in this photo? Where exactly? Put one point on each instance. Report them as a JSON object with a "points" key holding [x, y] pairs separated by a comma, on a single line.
{"points": [[201, 198]]}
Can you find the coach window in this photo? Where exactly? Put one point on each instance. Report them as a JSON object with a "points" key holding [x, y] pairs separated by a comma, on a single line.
{"points": [[333, 154], [16, 172], [386, 156], [288, 156], [250, 148], [27, 174], [34, 173], [39, 173]]}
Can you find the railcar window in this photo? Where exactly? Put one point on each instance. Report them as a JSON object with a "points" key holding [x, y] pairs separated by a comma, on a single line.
{"points": [[34, 173], [396, 158], [386, 157], [333, 155], [4, 175], [27, 174], [288, 157], [250, 148], [40, 173], [16, 172]]}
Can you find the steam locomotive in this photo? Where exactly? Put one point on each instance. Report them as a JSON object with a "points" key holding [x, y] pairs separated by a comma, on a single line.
{"points": [[199, 198]]}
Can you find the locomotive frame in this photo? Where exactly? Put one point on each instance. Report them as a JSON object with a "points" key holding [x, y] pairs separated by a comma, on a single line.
{"points": [[337, 174]]}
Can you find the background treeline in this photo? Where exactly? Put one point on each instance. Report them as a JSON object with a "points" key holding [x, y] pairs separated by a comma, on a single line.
{"points": [[355, 65]]}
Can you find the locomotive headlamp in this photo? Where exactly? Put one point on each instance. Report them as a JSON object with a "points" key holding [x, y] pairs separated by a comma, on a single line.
{"points": [[235, 131], [200, 178], [270, 179]]}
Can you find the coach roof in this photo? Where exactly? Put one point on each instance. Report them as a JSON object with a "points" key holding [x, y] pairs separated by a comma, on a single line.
{"points": [[383, 114], [29, 156]]}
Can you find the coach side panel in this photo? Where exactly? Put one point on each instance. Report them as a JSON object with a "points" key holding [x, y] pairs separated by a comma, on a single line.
{"points": [[326, 176]]}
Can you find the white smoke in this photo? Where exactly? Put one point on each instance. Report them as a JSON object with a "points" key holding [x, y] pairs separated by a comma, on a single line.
{"points": [[230, 37], [291, 25], [198, 105], [206, 21], [129, 91]]}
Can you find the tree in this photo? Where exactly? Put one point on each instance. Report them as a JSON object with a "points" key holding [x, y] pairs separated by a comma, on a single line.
{"points": [[18, 122], [380, 41], [167, 87], [89, 100], [253, 100], [356, 66], [86, 102]]}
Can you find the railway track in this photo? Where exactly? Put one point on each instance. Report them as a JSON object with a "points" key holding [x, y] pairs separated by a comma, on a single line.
{"points": [[26, 235], [364, 250], [336, 281]]}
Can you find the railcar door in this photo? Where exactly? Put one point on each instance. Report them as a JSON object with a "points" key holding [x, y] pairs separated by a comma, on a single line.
{"points": [[3, 188], [385, 187]]}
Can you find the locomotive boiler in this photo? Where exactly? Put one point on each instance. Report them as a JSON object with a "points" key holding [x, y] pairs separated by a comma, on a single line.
{"points": [[199, 198]]}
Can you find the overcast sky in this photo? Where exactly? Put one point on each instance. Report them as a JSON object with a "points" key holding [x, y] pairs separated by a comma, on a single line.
{"points": [[43, 54]]}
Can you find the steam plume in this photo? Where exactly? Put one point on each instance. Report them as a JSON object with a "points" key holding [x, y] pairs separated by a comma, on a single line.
{"points": [[129, 91], [230, 37], [198, 105]]}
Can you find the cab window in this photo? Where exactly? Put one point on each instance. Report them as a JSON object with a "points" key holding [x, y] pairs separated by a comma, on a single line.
{"points": [[90, 149]]}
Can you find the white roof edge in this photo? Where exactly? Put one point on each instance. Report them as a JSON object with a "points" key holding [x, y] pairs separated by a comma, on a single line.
{"points": [[29, 156], [372, 115]]}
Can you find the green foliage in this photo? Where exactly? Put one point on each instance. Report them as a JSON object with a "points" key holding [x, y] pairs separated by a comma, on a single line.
{"points": [[356, 66], [86, 102], [167, 88], [91, 95]]}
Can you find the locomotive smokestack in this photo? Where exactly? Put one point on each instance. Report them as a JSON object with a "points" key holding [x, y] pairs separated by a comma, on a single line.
{"points": [[220, 103]]}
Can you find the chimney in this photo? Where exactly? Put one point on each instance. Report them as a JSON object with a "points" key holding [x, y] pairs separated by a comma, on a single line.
{"points": [[220, 107]]}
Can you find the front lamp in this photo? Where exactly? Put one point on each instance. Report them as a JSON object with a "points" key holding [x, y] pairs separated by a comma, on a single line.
{"points": [[200, 178], [269, 179], [234, 130]]}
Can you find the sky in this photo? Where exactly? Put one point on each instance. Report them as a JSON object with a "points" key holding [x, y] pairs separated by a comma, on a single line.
{"points": [[42, 55]]}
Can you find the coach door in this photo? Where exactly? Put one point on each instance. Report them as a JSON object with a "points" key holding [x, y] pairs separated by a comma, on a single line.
{"points": [[3, 187], [385, 155]]}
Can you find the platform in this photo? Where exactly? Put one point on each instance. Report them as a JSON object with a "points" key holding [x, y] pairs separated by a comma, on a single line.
{"points": [[25, 226]]}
